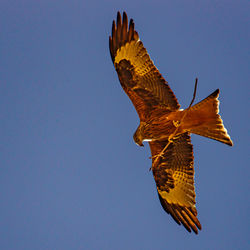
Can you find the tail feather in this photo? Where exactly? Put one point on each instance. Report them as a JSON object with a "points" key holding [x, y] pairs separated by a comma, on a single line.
{"points": [[203, 119]]}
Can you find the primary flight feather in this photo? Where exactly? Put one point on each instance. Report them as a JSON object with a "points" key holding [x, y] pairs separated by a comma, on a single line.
{"points": [[163, 124]]}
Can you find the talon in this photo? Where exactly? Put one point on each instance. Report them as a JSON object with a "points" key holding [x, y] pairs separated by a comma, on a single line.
{"points": [[176, 123]]}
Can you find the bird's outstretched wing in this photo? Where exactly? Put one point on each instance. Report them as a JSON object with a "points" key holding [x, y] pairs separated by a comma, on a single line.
{"points": [[174, 177], [138, 76]]}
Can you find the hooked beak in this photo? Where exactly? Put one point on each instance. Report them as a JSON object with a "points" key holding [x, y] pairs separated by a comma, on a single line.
{"points": [[141, 145]]}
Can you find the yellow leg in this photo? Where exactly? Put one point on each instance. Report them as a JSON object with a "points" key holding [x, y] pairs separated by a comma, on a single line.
{"points": [[177, 125], [170, 140]]}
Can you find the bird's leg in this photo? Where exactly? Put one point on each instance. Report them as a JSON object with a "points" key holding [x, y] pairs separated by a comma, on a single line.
{"points": [[158, 156], [177, 125], [170, 139]]}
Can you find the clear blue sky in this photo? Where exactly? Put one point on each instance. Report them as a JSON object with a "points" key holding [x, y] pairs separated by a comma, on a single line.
{"points": [[71, 176]]}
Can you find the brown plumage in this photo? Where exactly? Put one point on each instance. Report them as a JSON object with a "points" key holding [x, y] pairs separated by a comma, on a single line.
{"points": [[163, 124]]}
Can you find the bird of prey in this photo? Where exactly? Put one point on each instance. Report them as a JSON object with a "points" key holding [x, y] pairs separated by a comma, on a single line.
{"points": [[163, 124]]}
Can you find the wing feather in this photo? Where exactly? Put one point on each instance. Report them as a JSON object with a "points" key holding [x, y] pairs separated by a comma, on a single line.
{"points": [[174, 176], [138, 76]]}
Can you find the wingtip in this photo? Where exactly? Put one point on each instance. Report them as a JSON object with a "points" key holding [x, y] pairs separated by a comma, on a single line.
{"points": [[119, 19], [124, 16], [131, 23], [182, 215], [230, 143], [121, 33], [216, 93], [118, 15]]}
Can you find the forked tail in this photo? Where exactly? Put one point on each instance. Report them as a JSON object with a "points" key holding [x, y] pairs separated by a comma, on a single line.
{"points": [[203, 119]]}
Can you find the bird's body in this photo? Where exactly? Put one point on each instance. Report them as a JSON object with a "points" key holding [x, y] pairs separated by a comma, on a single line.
{"points": [[158, 126], [163, 124]]}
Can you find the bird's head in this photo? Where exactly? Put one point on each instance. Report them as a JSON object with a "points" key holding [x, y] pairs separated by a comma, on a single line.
{"points": [[138, 135]]}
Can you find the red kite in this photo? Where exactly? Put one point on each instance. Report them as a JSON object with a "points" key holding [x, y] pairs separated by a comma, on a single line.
{"points": [[163, 124]]}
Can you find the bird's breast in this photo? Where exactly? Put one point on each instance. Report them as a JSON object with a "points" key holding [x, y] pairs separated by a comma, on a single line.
{"points": [[160, 126]]}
